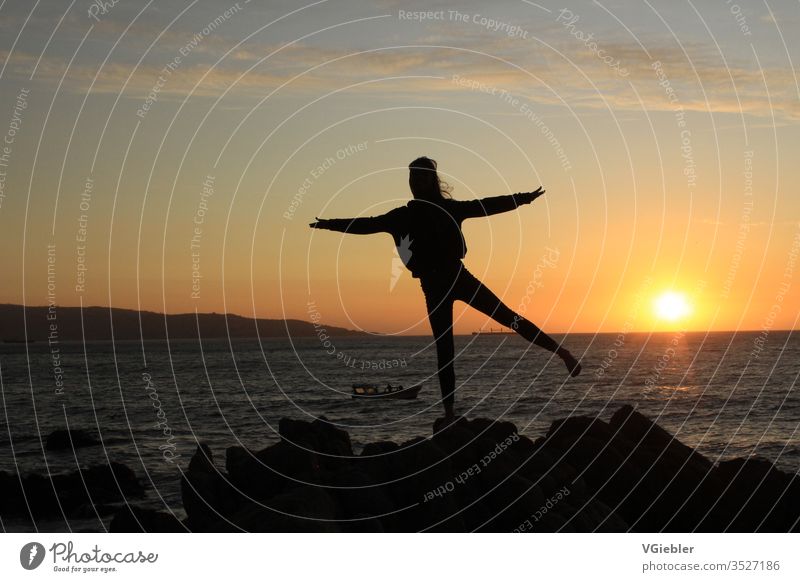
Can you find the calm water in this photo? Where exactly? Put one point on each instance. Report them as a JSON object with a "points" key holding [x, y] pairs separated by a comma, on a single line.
{"points": [[716, 392]]}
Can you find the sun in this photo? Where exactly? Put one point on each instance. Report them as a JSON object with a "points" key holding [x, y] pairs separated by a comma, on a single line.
{"points": [[671, 306]]}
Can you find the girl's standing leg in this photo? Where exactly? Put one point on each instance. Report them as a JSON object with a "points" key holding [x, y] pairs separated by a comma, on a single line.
{"points": [[440, 316]]}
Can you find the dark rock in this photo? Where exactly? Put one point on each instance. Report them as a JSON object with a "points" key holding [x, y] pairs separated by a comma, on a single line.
{"points": [[755, 497], [653, 482], [378, 449], [207, 493], [585, 444], [635, 431], [70, 439], [319, 436], [585, 475], [376, 460], [306, 453], [418, 469], [92, 510], [446, 423], [272, 470], [363, 524], [359, 496], [678, 479], [237, 463], [67, 494], [492, 429], [305, 509]]}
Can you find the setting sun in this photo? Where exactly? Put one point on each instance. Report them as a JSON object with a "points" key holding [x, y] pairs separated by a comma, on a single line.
{"points": [[671, 306]]}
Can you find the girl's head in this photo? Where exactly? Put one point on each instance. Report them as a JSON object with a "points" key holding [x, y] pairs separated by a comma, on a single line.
{"points": [[424, 181]]}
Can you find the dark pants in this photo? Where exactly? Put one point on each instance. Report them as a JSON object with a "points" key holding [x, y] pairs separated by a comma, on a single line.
{"points": [[441, 290]]}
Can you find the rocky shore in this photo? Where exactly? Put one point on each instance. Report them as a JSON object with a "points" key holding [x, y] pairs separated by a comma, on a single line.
{"points": [[93, 492], [584, 475]]}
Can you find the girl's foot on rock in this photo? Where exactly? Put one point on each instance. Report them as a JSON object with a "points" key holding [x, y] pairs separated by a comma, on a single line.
{"points": [[449, 419]]}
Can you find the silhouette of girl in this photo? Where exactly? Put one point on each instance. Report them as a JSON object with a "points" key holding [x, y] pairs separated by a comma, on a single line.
{"points": [[427, 233]]}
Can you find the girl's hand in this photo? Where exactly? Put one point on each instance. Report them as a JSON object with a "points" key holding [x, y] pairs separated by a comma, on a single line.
{"points": [[320, 223], [528, 197]]}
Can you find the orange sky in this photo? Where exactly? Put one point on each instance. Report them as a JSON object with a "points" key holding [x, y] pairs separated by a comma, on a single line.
{"points": [[679, 174]]}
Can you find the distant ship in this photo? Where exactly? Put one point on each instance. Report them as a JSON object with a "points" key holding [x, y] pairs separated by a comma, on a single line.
{"points": [[493, 331]]}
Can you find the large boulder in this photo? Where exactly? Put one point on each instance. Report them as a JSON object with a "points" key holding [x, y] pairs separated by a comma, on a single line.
{"points": [[207, 493], [419, 482], [331, 444], [655, 483], [677, 479], [273, 470], [585, 444]]}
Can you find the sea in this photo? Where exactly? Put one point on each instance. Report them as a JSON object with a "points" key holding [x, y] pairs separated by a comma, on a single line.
{"points": [[151, 403]]}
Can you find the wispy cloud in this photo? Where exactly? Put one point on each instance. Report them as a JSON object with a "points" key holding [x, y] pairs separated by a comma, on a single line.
{"points": [[557, 71]]}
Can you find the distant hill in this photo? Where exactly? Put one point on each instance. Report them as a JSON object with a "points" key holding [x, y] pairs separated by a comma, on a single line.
{"points": [[97, 325]]}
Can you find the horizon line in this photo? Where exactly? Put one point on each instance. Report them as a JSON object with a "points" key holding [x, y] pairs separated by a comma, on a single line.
{"points": [[387, 334]]}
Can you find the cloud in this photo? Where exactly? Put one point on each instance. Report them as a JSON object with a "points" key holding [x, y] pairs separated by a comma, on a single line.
{"points": [[575, 75]]}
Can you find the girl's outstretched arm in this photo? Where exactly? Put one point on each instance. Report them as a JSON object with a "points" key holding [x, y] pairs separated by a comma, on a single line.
{"points": [[363, 225], [497, 204]]}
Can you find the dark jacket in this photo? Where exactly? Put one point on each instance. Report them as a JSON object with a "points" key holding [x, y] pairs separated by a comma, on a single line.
{"points": [[428, 235]]}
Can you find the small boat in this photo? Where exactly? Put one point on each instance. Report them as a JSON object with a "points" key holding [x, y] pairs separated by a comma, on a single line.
{"points": [[388, 391]]}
